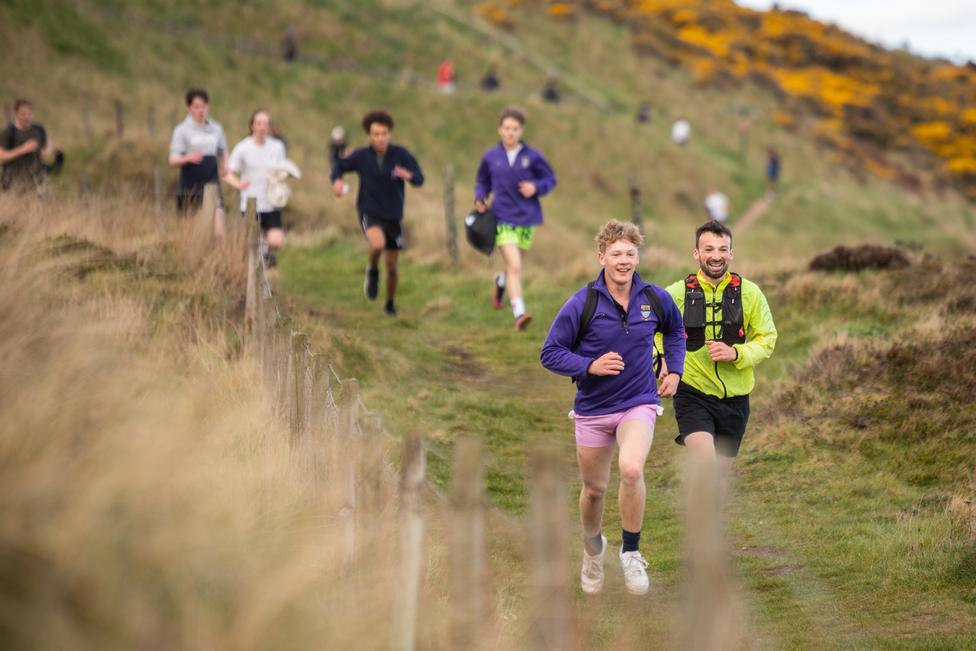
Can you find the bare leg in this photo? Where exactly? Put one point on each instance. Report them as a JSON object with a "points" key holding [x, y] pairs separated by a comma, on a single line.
{"points": [[275, 238], [634, 438], [376, 241], [594, 466], [512, 257], [392, 273]]}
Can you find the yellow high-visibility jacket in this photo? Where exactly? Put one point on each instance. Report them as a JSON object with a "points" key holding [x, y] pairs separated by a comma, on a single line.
{"points": [[735, 378]]}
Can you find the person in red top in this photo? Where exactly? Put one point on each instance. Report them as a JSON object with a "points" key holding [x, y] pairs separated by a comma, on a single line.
{"points": [[445, 76]]}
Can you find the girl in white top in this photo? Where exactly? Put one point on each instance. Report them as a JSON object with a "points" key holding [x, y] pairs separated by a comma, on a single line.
{"points": [[247, 170]]}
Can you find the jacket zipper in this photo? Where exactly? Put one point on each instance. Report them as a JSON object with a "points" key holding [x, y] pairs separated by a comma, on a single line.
{"points": [[725, 390]]}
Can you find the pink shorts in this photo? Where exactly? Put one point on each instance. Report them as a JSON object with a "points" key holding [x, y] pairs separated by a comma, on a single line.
{"points": [[601, 431]]}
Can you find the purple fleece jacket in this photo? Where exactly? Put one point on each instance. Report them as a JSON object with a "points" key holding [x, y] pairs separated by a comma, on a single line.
{"points": [[630, 335], [496, 177]]}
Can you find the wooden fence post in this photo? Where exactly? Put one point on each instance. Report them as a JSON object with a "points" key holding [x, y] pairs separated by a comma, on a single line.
{"points": [[349, 443], [251, 290], [151, 121], [452, 245], [636, 209], [299, 369], [468, 554], [411, 543], [86, 117], [712, 623], [119, 118], [158, 188], [550, 554]]}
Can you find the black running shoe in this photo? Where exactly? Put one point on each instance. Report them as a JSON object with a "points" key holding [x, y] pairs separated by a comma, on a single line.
{"points": [[270, 260], [390, 309], [498, 292], [372, 285]]}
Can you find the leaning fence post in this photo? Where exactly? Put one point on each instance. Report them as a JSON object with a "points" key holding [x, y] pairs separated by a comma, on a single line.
{"points": [[452, 245], [411, 543], [636, 209], [119, 118], [467, 546], [550, 554]]}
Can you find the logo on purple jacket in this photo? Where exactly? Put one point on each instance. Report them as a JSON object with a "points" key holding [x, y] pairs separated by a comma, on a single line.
{"points": [[645, 311]]}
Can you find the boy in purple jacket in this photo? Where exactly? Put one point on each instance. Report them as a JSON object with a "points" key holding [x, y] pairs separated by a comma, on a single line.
{"points": [[617, 398], [515, 176]]}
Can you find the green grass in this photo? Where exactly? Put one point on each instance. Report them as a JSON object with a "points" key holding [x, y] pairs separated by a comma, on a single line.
{"points": [[856, 549], [856, 544]]}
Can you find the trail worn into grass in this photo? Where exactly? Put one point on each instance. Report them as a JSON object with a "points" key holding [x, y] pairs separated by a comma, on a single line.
{"points": [[825, 554]]}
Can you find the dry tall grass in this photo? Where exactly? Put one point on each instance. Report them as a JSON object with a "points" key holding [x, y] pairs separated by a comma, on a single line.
{"points": [[148, 495]]}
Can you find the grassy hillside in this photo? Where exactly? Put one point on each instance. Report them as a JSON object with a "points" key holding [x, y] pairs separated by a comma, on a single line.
{"points": [[852, 525]]}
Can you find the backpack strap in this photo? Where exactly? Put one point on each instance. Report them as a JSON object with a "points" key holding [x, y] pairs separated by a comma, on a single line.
{"points": [[589, 309]]}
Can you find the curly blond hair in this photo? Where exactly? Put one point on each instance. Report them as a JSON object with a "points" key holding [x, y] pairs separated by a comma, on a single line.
{"points": [[615, 230]]}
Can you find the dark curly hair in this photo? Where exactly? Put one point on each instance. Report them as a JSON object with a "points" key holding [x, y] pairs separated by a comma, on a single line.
{"points": [[380, 117]]}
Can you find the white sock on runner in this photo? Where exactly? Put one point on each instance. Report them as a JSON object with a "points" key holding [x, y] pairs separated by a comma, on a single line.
{"points": [[518, 307], [500, 279]]}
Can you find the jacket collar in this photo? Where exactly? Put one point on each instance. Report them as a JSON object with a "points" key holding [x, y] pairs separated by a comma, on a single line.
{"points": [[637, 284]]}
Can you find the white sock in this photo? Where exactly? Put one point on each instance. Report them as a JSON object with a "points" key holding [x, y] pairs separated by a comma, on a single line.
{"points": [[518, 307], [500, 279]]}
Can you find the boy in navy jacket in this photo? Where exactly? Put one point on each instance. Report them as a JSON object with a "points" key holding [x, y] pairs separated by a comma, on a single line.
{"points": [[617, 397], [514, 175], [382, 168]]}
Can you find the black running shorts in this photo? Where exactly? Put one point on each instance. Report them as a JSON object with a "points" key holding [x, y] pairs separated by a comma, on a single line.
{"points": [[392, 230], [270, 220], [724, 418]]}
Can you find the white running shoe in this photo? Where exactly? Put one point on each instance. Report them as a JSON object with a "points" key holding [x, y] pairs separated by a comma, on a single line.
{"points": [[591, 575], [635, 572]]}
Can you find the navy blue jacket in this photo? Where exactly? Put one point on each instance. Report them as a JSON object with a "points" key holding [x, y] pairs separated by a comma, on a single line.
{"points": [[632, 338], [380, 193]]}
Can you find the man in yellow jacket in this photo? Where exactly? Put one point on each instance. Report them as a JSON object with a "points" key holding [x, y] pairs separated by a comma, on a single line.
{"points": [[729, 331]]}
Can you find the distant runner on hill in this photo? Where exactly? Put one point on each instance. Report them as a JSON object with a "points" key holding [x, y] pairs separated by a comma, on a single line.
{"points": [[382, 168], [730, 331], [23, 148], [512, 176], [772, 171], [717, 206], [617, 400], [199, 149], [250, 165]]}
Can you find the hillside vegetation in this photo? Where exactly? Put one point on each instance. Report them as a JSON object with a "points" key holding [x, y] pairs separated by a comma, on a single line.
{"points": [[852, 524]]}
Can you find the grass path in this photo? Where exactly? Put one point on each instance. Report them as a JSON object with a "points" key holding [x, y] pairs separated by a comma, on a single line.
{"points": [[824, 553]]}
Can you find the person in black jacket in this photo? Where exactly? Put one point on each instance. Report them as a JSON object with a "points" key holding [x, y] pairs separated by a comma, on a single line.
{"points": [[382, 168]]}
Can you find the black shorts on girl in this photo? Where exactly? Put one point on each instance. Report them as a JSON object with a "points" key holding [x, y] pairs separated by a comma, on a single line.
{"points": [[392, 230]]}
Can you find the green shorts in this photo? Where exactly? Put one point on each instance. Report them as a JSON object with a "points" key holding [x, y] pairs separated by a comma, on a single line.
{"points": [[508, 234]]}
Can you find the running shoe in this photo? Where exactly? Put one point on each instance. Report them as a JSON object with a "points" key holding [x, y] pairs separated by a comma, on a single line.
{"points": [[371, 287], [522, 322], [635, 572], [498, 291], [591, 574]]}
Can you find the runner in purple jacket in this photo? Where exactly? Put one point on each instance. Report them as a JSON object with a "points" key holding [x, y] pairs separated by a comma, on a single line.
{"points": [[617, 397], [514, 175]]}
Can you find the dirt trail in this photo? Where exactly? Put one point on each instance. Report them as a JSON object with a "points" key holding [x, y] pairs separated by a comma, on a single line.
{"points": [[751, 216]]}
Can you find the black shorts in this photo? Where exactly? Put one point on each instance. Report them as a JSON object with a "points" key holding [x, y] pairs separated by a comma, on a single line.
{"points": [[270, 220], [190, 199], [724, 418], [392, 230]]}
